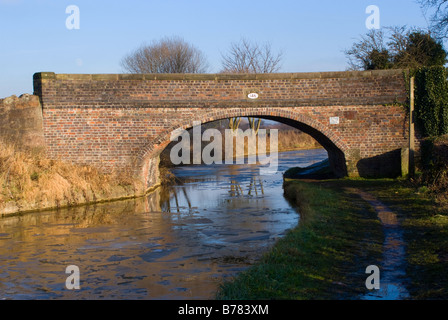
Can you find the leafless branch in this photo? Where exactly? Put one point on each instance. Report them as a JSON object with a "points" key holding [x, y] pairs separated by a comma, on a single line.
{"points": [[250, 57], [439, 16], [359, 54]]}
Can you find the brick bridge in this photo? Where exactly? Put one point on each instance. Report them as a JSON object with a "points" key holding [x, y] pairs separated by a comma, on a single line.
{"points": [[125, 121]]}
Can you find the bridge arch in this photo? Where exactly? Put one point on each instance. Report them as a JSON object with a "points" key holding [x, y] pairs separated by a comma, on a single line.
{"points": [[148, 158]]}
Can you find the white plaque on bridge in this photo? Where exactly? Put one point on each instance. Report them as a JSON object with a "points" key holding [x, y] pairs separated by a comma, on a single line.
{"points": [[253, 95], [334, 120]]}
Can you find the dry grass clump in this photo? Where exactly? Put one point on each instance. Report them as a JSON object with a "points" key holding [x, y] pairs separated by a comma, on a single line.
{"points": [[295, 140], [28, 177]]}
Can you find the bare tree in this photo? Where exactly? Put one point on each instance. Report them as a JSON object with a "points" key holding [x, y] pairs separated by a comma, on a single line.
{"points": [[250, 57], [439, 16], [398, 39], [370, 52], [168, 55]]}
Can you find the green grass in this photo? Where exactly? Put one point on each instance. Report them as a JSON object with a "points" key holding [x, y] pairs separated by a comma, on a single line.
{"points": [[425, 225], [339, 235], [323, 258]]}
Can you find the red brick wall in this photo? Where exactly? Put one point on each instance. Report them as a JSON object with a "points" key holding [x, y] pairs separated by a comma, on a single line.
{"points": [[123, 120]]}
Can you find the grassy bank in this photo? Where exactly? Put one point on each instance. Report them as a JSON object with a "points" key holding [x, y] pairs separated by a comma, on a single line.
{"points": [[339, 235], [29, 181], [324, 257], [425, 224]]}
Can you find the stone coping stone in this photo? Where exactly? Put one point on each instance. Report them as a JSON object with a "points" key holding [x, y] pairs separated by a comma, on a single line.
{"points": [[219, 76]]}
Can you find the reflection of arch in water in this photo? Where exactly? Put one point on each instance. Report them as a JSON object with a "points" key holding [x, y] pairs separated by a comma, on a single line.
{"points": [[153, 201], [169, 199], [254, 188], [235, 189], [256, 184], [64, 222]]}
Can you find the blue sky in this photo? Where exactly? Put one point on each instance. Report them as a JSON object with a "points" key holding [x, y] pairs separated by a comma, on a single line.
{"points": [[311, 34]]}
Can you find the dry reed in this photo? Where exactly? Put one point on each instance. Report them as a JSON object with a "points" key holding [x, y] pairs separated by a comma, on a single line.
{"points": [[29, 177]]}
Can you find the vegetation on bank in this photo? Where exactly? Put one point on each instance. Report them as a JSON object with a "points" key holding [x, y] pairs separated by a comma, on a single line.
{"points": [[30, 181], [338, 236], [431, 100]]}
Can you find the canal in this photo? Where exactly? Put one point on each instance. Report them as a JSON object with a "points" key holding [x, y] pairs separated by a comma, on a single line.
{"points": [[179, 242]]}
